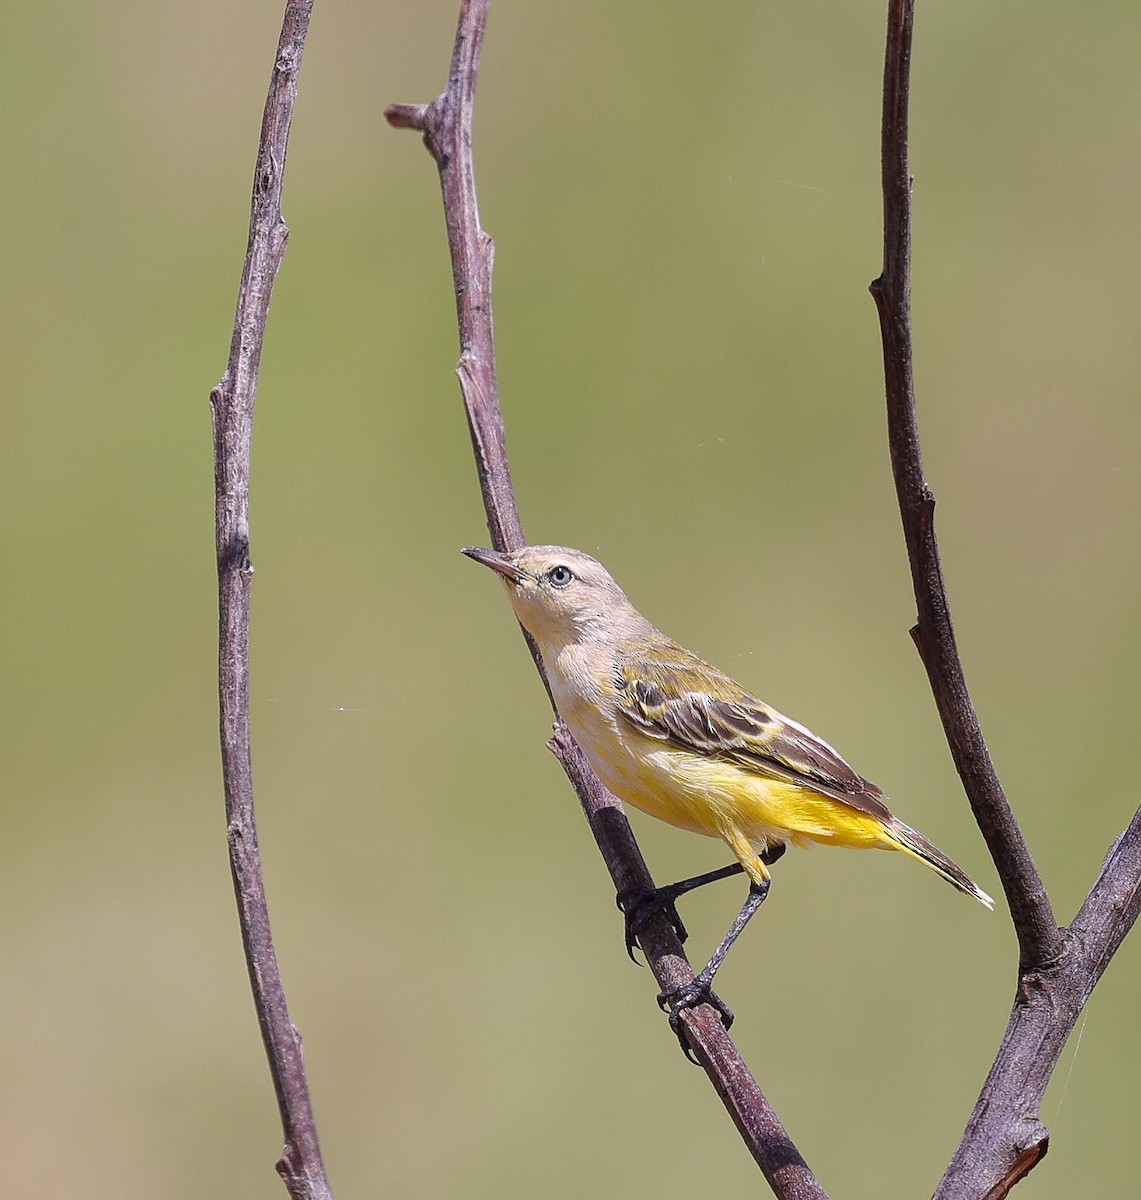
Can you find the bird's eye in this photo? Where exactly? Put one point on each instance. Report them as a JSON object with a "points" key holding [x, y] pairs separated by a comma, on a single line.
{"points": [[560, 576]]}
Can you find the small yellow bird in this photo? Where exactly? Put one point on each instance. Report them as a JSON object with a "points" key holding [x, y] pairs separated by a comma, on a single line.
{"points": [[676, 738]]}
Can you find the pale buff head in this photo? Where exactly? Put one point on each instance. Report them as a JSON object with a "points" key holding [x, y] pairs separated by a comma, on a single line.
{"points": [[561, 595]]}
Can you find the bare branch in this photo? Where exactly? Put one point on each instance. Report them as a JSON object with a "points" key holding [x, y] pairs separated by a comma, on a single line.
{"points": [[1058, 969], [760, 1127], [232, 410], [1005, 1137], [1038, 937], [446, 124], [1112, 906]]}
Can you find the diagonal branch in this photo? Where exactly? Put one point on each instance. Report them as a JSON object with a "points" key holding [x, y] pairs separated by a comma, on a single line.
{"points": [[1039, 939], [446, 124], [1112, 906], [232, 411]]}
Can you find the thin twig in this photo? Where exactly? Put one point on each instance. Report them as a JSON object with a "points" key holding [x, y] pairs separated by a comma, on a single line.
{"points": [[446, 124], [1058, 969], [1038, 936], [232, 410]]}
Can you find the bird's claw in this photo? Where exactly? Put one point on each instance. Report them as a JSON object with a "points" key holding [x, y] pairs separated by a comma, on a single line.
{"points": [[638, 905], [691, 995]]}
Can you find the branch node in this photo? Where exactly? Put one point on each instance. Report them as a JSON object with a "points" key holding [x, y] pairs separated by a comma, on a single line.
{"points": [[235, 556]]}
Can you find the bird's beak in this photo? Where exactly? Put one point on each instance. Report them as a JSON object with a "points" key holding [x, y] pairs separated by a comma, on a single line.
{"points": [[496, 561]]}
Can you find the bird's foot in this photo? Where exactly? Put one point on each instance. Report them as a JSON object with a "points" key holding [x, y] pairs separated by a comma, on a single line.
{"points": [[691, 995], [639, 905]]}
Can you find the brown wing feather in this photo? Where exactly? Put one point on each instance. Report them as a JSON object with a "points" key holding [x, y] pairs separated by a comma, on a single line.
{"points": [[675, 697]]}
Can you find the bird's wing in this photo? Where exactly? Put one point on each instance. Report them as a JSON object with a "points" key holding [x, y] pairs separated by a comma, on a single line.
{"points": [[678, 699]]}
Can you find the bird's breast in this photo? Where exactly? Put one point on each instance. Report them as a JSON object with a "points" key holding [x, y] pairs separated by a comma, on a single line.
{"points": [[637, 769]]}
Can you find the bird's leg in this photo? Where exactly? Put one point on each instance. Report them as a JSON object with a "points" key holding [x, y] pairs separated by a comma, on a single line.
{"points": [[639, 905], [699, 991]]}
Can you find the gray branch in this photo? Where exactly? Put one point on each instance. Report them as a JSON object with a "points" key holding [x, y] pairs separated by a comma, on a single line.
{"points": [[232, 410], [446, 124], [1058, 968]]}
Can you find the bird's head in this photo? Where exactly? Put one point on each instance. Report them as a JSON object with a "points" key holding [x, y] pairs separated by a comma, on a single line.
{"points": [[559, 595]]}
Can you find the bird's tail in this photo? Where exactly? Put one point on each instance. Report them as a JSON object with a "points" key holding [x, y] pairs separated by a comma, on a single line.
{"points": [[914, 843]]}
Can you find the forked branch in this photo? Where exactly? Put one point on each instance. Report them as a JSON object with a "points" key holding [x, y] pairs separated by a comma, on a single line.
{"points": [[1058, 969]]}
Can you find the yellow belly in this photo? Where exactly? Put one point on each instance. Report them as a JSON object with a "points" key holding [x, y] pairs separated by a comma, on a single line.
{"points": [[713, 796]]}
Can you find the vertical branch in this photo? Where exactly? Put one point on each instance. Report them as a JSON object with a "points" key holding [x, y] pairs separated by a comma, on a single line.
{"points": [[446, 124], [232, 410], [1038, 935]]}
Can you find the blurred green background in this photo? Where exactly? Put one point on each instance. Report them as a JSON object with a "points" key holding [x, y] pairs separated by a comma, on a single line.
{"points": [[685, 202]]}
